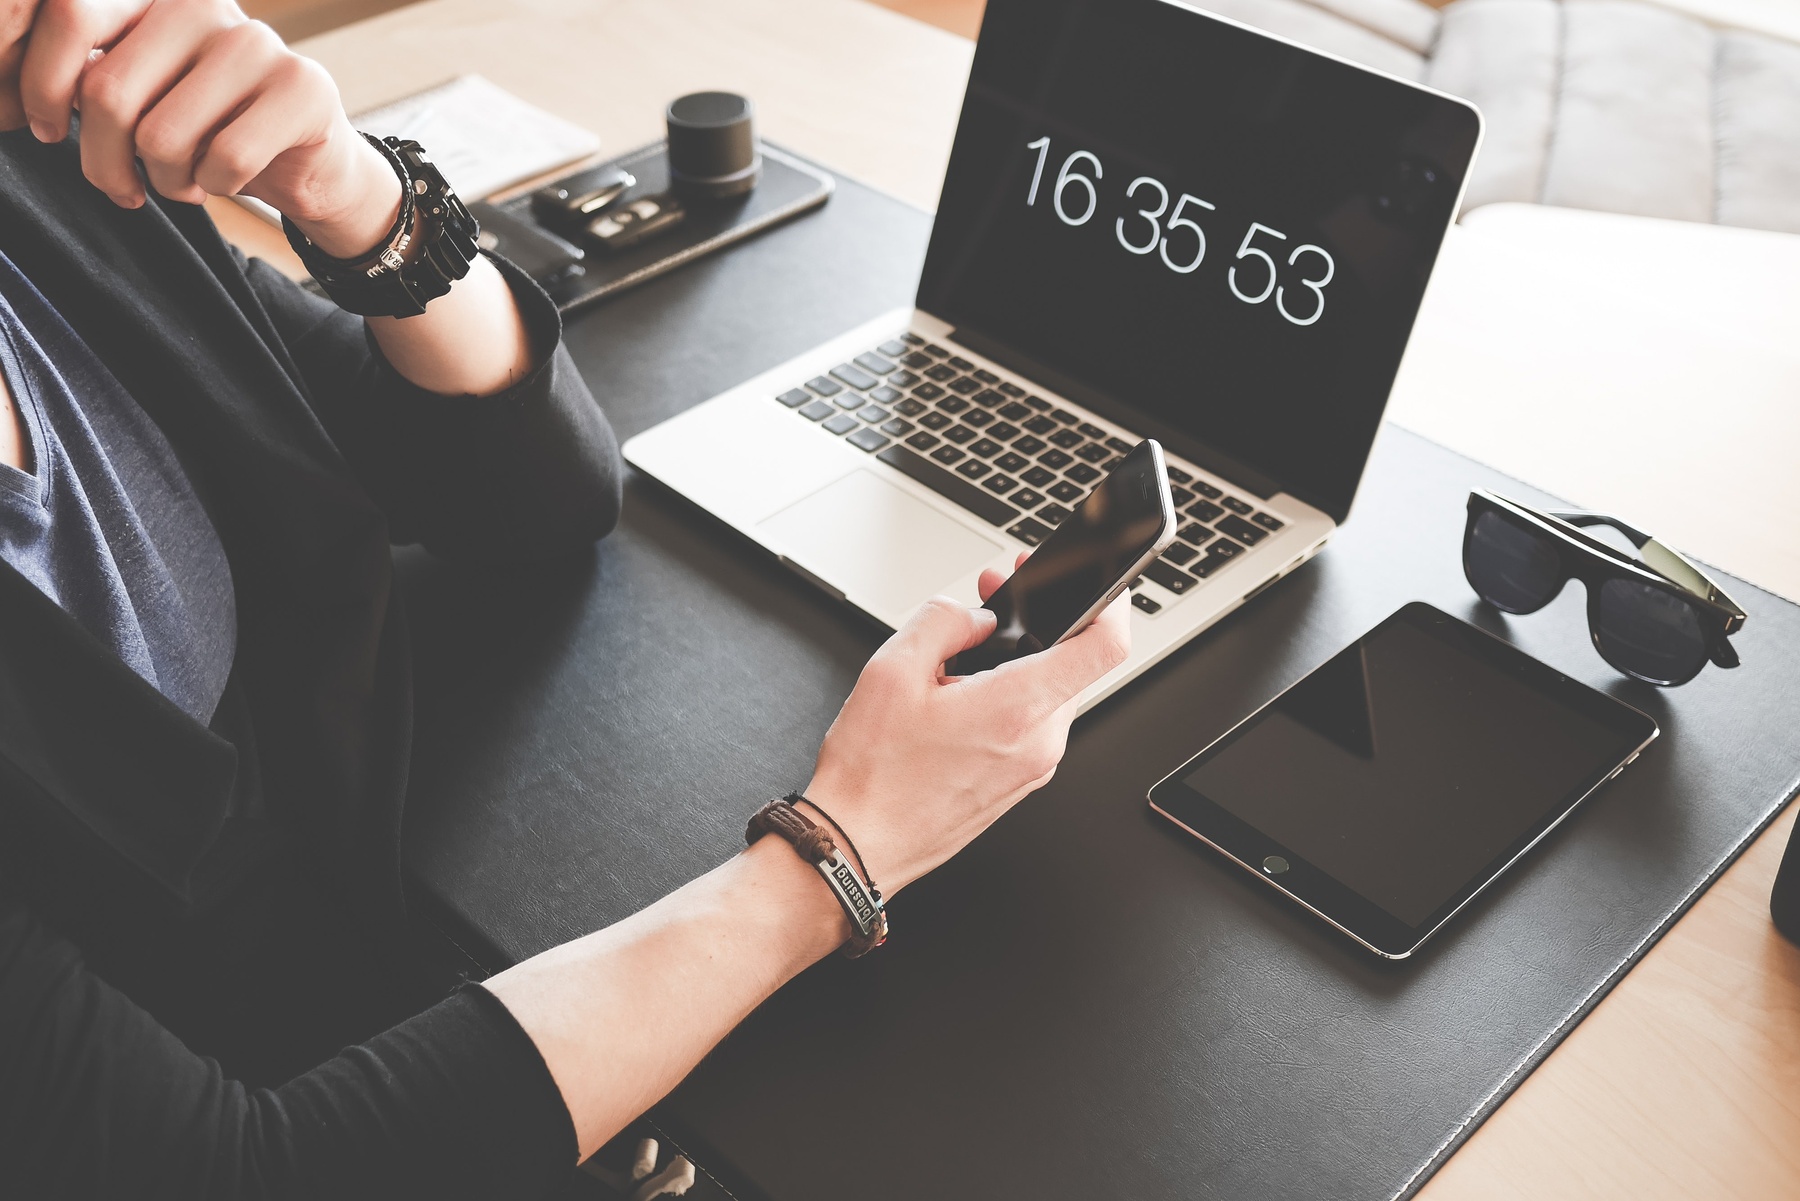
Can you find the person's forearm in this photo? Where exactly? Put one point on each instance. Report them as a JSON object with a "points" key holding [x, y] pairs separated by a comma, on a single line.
{"points": [[470, 342], [621, 1015], [13, 442]]}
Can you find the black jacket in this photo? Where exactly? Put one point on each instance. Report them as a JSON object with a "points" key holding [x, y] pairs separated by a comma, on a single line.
{"points": [[125, 825]]}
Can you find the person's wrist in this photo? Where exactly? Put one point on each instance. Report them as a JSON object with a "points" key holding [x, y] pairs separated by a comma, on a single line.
{"points": [[806, 913], [362, 208], [837, 807]]}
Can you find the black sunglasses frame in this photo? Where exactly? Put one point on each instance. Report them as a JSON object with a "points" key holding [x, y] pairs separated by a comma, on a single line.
{"points": [[1593, 562]]}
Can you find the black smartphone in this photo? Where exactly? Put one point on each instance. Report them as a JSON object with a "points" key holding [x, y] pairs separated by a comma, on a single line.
{"points": [[1125, 522]]}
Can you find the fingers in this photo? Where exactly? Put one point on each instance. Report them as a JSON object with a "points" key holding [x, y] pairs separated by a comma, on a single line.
{"points": [[990, 579], [134, 75], [1064, 671], [15, 25], [941, 628], [210, 101], [287, 115], [220, 110], [63, 33], [115, 92]]}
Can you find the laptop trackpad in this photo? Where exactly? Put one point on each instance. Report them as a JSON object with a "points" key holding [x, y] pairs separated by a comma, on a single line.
{"points": [[886, 550]]}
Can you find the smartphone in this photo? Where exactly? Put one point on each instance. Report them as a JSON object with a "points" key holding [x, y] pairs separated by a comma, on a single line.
{"points": [[1125, 522]]}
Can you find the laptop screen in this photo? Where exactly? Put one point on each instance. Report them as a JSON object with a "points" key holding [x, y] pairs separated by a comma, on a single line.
{"points": [[1208, 235]]}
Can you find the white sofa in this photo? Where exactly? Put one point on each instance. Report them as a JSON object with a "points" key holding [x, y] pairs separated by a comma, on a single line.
{"points": [[1603, 104]]}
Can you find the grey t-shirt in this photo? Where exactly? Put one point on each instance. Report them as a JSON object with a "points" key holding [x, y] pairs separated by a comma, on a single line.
{"points": [[106, 523]]}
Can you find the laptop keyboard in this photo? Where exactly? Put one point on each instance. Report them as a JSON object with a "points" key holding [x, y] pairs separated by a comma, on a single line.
{"points": [[1013, 459]]}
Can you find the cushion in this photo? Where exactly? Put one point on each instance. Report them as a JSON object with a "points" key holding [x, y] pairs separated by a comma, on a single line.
{"points": [[1626, 107], [1756, 121], [1406, 22], [1504, 55], [1600, 104], [1634, 113], [1314, 26]]}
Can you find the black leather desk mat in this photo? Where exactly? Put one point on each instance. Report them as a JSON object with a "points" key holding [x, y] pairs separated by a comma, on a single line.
{"points": [[1086, 1003]]}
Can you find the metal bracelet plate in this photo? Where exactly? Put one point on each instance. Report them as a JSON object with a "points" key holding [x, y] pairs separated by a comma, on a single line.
{"points": [[864, 910]]}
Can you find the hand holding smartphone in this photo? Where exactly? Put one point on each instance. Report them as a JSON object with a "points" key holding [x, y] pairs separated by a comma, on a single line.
{"points": [[1125, 522]]}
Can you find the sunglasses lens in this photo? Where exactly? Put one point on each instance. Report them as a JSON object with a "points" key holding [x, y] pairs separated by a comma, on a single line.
{"points": [[1649, 632], [1510, 565]]}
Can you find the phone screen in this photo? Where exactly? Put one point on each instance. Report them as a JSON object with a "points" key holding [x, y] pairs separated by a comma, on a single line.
{"points": [[1096, 550]]}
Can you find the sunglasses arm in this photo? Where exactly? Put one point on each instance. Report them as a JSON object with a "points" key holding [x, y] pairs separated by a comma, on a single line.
{"points": [[1672, 565], [1584, 518]]}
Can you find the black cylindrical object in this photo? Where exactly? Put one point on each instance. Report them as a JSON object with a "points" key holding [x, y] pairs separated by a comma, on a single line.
{"points": [[713, 152], [1784, 902]]}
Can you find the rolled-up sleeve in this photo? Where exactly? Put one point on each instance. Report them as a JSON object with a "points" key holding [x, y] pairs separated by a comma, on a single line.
{"points": [[98, 1100], [529, 472]]}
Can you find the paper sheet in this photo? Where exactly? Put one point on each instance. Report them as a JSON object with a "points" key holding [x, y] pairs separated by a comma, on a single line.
{"points": [[482, 137]]}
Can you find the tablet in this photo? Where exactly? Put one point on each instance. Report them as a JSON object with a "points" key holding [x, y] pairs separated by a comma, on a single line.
{"points": [[1390, 786]]}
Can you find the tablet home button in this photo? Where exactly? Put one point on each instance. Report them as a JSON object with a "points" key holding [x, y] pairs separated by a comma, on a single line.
{"points": [[1275, 865]]}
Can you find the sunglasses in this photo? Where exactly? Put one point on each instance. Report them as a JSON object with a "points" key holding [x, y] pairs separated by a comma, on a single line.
{"points": [[1655, 617]]}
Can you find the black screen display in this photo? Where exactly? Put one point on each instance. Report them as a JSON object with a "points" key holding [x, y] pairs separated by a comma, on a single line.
{"points": [[1406, 765], [1211, 236], [1091, 553]]}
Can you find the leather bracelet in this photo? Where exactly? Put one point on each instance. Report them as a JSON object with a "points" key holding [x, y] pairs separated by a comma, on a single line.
{"points": [[862, 865], [429, 247], [861, 902]]}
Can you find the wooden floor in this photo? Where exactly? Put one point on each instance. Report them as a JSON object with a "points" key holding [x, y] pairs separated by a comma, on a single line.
{"points": [[964, 16], [958, 16], [296, 19]]}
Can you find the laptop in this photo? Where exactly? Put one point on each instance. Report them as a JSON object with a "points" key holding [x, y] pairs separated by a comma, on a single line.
{"points": [[1156, 223]]}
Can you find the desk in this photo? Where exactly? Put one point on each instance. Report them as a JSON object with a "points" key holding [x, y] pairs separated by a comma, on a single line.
{"points": [[1686, 1080], [1639, 363]]}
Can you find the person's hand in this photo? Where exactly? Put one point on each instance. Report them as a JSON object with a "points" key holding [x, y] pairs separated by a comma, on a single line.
{"points": [[917, 764], [15, 23], [212, 102]]}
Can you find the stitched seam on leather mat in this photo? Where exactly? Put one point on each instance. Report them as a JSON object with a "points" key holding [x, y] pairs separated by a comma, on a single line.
{"points": [[1516, 1076], [698, 1167]]}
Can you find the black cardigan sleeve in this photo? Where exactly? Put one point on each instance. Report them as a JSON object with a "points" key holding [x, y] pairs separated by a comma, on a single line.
{"points": [[97, 1100], [526, 473]]}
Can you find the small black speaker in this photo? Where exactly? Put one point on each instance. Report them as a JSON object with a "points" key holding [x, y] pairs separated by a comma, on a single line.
{"points": [[1784, 902], [713, 152]]}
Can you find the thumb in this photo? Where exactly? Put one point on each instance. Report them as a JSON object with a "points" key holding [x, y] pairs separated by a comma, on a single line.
{"points": [[1063, 671], [941, 628]]}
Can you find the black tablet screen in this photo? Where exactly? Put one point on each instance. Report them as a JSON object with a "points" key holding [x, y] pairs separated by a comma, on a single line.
{"points": [[1406, 765]]}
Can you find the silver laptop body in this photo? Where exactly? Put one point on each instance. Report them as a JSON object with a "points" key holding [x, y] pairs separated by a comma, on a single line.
{"points": [[872, 535], [898, 460]]}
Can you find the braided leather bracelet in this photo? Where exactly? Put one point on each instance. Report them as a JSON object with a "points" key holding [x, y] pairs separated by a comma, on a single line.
{"points": [[861, 901]]}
